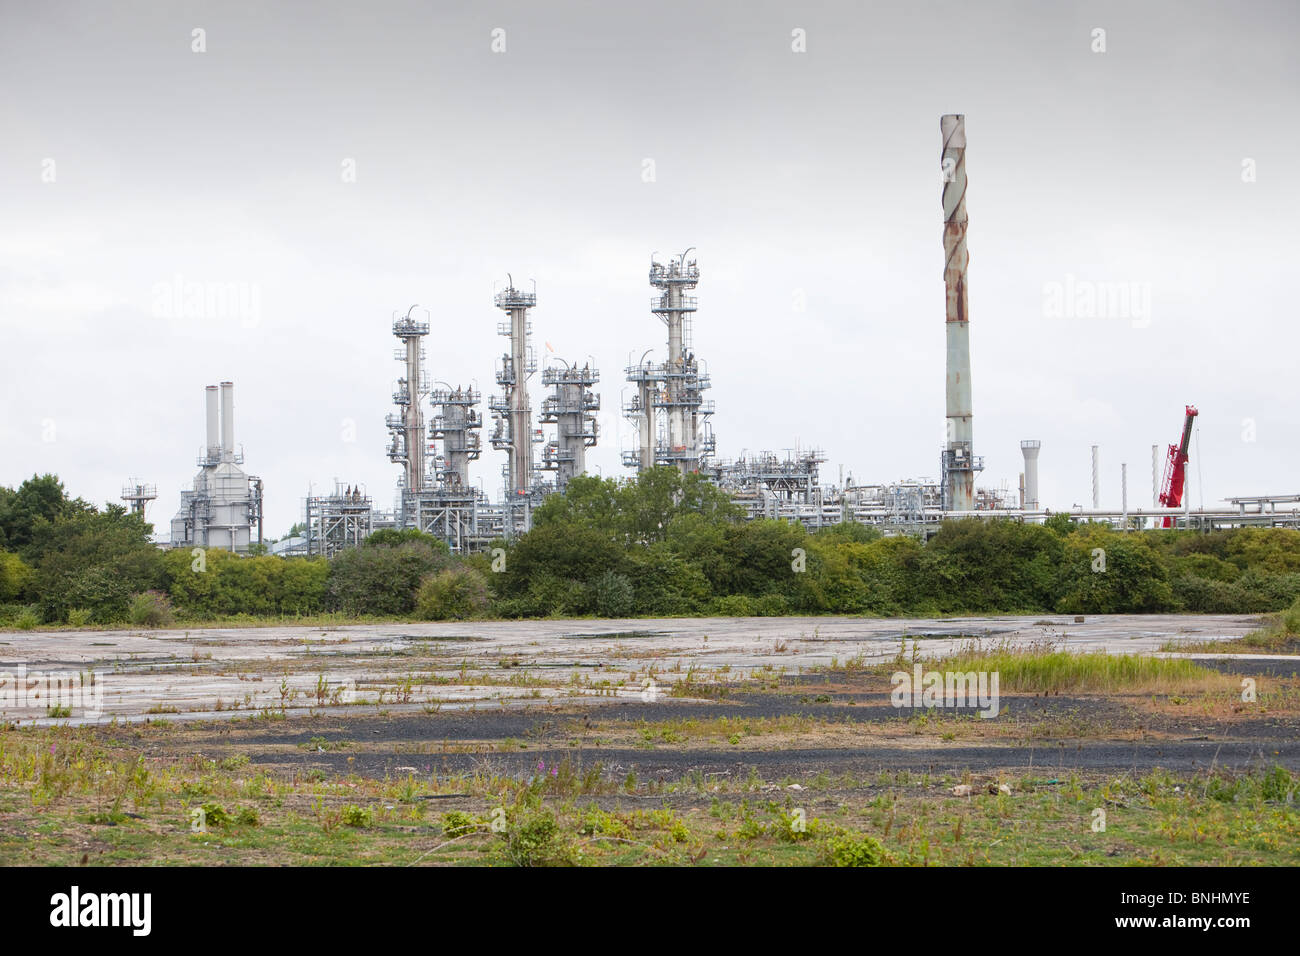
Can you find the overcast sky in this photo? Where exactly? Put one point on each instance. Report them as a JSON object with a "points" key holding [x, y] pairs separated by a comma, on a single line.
{"points": [[808, 182]]}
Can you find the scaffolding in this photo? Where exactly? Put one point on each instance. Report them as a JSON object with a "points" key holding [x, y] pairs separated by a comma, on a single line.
{"points": [[336, 521], [767, 476], [138, 495]]}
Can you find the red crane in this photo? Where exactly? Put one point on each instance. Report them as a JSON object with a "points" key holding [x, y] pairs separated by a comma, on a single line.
{"points": [[1171, 494]]}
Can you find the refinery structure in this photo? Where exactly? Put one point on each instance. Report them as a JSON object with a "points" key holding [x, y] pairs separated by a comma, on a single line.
{"points": [[435, 433]]}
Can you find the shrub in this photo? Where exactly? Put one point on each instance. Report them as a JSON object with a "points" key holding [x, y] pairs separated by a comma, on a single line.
{"points": [[852, 849], [614, 595], [456, 593], [458, 823], [79, 616], [383, 578], [1277, 785], [1291, 618], [772, 605], [151, 609], [535, 840], [732, 605], [26, 619], [215, 815], [247, 817], [355, 816]]}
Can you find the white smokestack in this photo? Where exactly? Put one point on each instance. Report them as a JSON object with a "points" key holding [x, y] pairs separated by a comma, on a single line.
{"points": [[1030, 450], [1096, 479], [214, 441], [228, 418]]}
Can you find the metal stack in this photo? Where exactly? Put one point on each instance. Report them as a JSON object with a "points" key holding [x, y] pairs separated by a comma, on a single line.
{"points": [[224, 504], [959, 462]]}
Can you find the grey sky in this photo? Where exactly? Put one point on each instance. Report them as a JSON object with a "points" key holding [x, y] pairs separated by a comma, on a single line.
{"points": [[799, 177]]}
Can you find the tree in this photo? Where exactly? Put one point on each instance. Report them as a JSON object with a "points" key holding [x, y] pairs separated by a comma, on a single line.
{"points": [[1107, 572], [36, 504], [94, 560], [16, 578]]}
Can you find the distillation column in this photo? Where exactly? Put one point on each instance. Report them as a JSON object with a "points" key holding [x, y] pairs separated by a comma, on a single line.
{"points": [[640, 411], [456, 425], [571, 409], [687, 444], [516, 438], [959, 461], [407, 447]]}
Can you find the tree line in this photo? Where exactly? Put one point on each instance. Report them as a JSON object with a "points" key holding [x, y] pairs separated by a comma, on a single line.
{"points": [[661, 544]]}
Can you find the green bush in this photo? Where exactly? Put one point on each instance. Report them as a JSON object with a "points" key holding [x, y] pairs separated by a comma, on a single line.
{"points": [[79, 616], [456, 593], [151, 609], [733, 605], [219, 584], [215, 815], [614, 595], [382, 578], [27, 619], [772, 605], [457, 823], [1278, 785], [852, 849], [1291, 618], [535, 840], [355, 816], [16, 578]]}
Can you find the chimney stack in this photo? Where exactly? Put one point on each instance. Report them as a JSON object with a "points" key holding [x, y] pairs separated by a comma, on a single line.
{"points": [[959, 462], [1030, 450], [213, 450], [227, 419]]}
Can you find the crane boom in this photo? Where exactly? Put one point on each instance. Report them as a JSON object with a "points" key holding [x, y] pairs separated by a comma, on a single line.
{"points": [[1171, 494]]}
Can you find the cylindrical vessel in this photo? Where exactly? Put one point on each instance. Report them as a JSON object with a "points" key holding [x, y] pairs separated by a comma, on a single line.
{"points": [[214, 432], [227, 418]]}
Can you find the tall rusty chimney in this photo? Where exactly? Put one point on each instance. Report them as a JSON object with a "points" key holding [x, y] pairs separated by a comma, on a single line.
{"points": [[959, 461]]}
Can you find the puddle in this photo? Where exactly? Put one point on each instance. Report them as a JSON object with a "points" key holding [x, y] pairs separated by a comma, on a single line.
{"points": [[615, 635], [440, 637]]}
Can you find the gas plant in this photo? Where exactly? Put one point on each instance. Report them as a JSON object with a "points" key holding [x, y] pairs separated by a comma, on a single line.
{"points": [[435, 434]]}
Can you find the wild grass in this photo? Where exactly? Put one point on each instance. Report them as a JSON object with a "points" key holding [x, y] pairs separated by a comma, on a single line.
{"points": [[1044, 669], [116, 797]]}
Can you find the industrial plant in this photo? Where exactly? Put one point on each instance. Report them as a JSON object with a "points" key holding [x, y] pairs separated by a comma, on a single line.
{"points": [[435, 433]]}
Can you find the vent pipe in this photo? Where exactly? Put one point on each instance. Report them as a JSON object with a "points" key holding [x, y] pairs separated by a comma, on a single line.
{"points": [[228, 418], [1096, 479], [214, 438]]}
